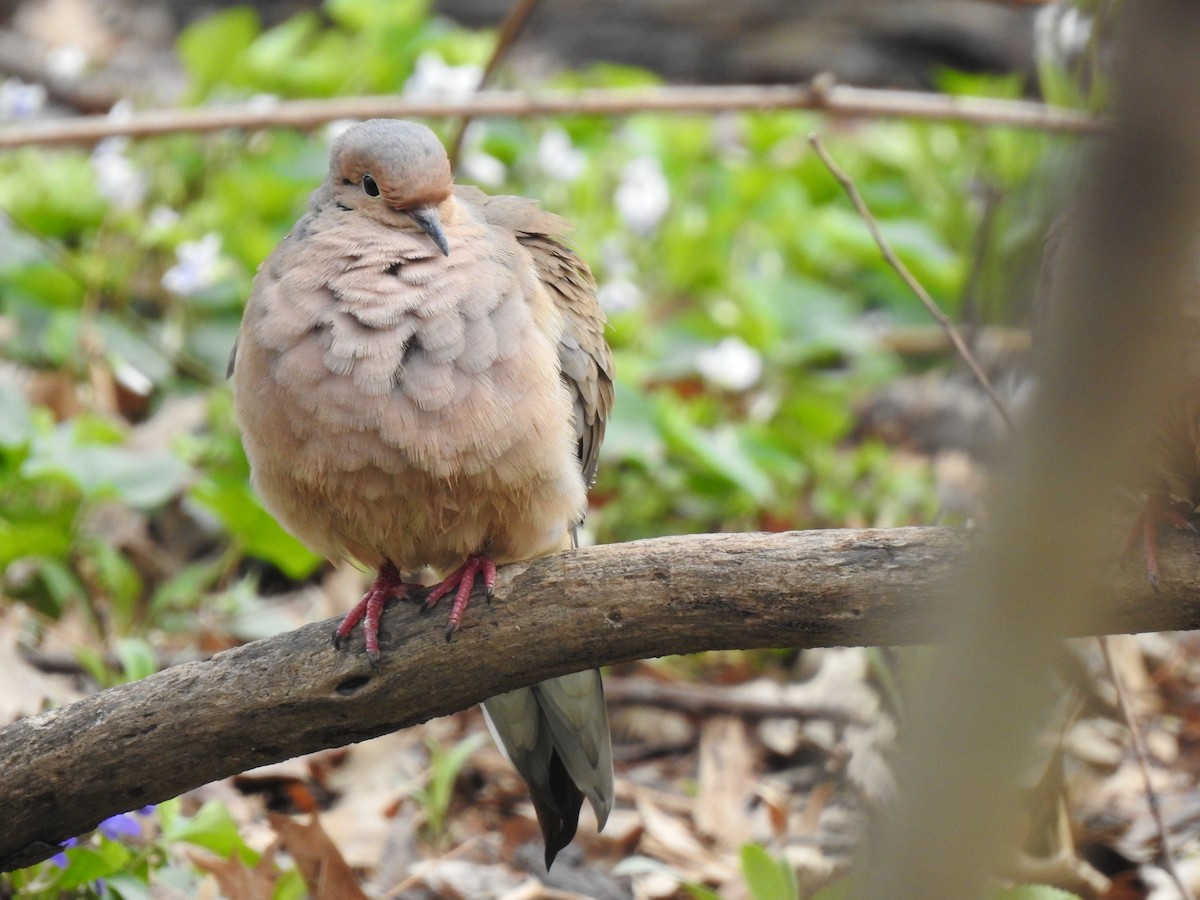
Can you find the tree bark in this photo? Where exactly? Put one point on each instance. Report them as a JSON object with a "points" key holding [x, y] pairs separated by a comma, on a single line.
{"points": [[140, 743]]}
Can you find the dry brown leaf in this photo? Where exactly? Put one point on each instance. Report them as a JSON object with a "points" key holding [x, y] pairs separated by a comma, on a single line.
{"points": [[726, 783], [457, 878], [236, 879], [325, 871], [1130, 664], [26, 690], [671, 837], [374, 777], [670, 840]]}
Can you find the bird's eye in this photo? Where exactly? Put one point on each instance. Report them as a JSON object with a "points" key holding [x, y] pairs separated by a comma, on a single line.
{"points": [[370, 188]]}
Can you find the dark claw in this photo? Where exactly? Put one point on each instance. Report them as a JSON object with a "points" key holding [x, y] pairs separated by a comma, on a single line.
{"points": [[450, 629], [373, 659]]}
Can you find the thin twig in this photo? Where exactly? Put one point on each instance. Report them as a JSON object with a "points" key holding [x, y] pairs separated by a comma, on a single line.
{"points": [[835, 100], [703, 699], [971, 309], [915, 286], [429, 865], [1143, 761], [510, 30]]}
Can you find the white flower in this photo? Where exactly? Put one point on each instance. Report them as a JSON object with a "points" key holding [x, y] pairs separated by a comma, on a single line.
{"points": [[161, 218], [117, 179], [262, 104], [432, 79], [619, 295], [336, 128], [558, 157], [66, 63], [615, 257], [1061, 33], [732, 365], [197, 268], [19, 100], [483, 168], [643, 196], [121, 111]]}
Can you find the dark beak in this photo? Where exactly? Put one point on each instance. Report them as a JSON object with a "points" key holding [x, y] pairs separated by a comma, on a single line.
{"points": [[427, 218]]}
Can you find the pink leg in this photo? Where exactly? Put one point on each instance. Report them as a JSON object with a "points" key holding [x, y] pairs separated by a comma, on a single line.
{"points": [[461, 581], [1156, 511], [369, 611]]}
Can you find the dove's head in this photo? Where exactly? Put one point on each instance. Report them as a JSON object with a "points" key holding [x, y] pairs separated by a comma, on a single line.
{"points": [[394, 171]]}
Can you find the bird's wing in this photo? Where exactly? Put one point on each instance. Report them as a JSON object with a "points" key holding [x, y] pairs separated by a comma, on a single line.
{"points": [[584, 356]]}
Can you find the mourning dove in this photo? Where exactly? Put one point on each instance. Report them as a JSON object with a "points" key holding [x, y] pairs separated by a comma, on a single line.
{"points": [[422, 381]]}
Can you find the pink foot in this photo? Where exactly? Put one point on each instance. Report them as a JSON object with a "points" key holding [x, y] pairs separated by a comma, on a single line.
{"points": [[461, 580], [387, 584], [1156, 511]]}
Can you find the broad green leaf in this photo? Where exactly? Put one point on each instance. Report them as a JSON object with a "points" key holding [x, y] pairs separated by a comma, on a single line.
{"points": [[86, 864], [211, 47], [253, 527], [212, 827], [137, 658], [767, 878], [141, 479]]}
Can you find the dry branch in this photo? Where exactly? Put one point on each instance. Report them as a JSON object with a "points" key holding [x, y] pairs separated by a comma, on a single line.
{"points": [[139, 743], [834, 100]]}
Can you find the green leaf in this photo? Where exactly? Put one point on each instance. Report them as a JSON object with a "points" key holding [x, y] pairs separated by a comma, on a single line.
{"points": [[210, 48], [48, 539], [255, 529], [720, 451], [129, 886], [137, 658], [766, 878], [367, 15], [86, 864], [51, 193], [141, 479], [46, 285], [290, 886], [444, 768], [212, 827], [1035, 892], [118, 578]]}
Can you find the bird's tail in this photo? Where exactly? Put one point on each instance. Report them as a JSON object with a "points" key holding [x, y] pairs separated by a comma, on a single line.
{"points": [[556, 735]]}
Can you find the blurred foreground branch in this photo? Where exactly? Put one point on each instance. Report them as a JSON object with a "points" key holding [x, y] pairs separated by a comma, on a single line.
{"points": [[833, 99], [143, 742], [1113, 356]]}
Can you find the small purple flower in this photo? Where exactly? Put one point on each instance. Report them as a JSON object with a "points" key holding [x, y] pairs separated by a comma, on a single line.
{"points": [[60, 858], [124, 825], [115, 828], [120, 826]]}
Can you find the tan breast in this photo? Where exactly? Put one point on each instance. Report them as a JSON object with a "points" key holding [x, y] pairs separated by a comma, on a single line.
{"points": [[399, 404]]}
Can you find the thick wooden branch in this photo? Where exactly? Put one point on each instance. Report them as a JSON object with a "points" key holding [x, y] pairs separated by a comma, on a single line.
{"points": [[144, 742]]}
